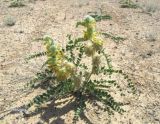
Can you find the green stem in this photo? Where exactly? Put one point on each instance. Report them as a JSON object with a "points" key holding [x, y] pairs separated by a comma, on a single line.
{"points": [[107, 59], [89, 76]]}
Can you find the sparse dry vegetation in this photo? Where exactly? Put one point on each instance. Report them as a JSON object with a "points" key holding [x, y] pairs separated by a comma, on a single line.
{"points": [[9, 21], [128, 4], [17, 3], [151, 6]]}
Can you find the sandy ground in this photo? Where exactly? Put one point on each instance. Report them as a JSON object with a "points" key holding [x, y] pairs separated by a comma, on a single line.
{"points": [[139, 55]]}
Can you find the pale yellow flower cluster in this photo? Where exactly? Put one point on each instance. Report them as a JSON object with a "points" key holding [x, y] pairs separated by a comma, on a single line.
{"points": [[94, 42], [91, 35], [56, 60]]}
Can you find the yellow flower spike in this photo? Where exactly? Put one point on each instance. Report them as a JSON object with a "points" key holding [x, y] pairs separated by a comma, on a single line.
{"points": [[51, 60], [89, 49], [55, 58], [51, 47], [62, 74], [60, 54], [88, 35], [48, 41], [91, 34], [70, 67], [97, 43], [64, 70], [90, 23], [85, 36]]}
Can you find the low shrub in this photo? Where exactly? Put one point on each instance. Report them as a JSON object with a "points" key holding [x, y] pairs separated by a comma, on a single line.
{"points": [[66, 73]]}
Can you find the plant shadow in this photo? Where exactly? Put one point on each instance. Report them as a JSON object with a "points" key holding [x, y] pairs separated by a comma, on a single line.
{"points": [[51, 111]]}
